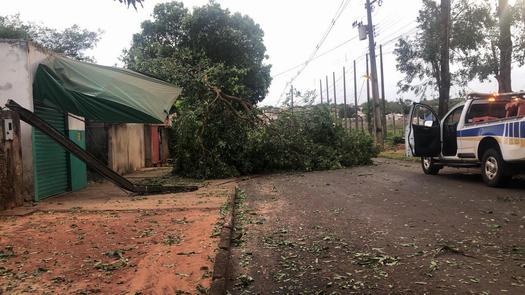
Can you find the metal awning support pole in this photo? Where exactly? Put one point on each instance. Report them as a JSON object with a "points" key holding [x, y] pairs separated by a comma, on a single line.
{"points": [[90, 160]]}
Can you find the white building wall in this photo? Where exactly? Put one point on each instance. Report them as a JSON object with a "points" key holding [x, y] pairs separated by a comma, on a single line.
{"points": [[75, 122], [18, 62]]}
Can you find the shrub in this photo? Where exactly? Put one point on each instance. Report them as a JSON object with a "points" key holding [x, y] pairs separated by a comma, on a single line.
{"points": [[398, 139], [311, 140], [306, 140]]}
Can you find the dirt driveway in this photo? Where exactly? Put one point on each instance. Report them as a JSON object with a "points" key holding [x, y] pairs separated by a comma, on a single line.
{"points": [[102, 241], [383, 229]]}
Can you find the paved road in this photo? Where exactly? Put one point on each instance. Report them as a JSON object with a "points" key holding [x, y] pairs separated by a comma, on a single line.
{"points": [[381, 229]]}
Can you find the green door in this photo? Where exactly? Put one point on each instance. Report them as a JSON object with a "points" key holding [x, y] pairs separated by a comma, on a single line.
{"points": [[51, 162]]}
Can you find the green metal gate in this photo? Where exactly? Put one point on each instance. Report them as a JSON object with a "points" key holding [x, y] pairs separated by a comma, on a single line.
{"points": [[51, 162]]}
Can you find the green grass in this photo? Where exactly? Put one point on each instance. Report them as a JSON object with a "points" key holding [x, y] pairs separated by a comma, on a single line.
{"points": [[397, 155]]}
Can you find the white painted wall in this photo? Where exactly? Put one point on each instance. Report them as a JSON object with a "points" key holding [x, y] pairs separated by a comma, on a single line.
{"points": [[75, 122], [18, 62], [15, 84]]}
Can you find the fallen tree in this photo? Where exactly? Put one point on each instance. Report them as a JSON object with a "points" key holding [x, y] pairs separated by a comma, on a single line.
{"points": [[226, 136], [218, 58]]}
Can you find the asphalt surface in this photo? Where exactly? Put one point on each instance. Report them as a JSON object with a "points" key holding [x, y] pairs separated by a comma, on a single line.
{"points": [[380, 229]]}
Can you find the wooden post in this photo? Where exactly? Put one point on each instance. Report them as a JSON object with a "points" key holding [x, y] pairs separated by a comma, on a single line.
{"points": [[327, 92], [383, 107], [345, 106], [11, 173], [291, 93], [355, 98], [368, 106], [321, 89], [335, 97]]}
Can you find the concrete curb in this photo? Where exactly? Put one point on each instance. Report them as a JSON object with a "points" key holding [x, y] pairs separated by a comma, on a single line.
{"points": [[222, 258]]}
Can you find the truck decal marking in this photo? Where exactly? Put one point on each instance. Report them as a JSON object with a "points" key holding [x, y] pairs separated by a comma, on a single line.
{"points": [[510, 133], [492, 130]]}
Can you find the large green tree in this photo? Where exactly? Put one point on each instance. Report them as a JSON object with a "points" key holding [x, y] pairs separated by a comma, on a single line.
{"points": [[486, 38], [208, 43], [421, 59], [206, 48], [502, 44], [72, 41]]}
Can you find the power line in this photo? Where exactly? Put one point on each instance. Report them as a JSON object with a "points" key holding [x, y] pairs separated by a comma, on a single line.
{"points": [[385, 43], [318, 56], [315, 57], [338, 13], [409, 32], [348, 70], [392, 30]]}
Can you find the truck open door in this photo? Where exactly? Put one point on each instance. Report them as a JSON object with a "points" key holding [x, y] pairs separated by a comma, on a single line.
{"points": [[422, 134]]}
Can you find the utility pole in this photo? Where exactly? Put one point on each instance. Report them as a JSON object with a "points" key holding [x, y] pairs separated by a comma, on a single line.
{"points": [[379, 135], [369, 114], [327, 92], [335, 96], [355, 98], [321, 89], [383, 109], [345, 106]]}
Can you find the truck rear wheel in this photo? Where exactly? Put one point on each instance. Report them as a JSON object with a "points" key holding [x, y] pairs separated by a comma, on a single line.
{"points": [[429, 166], [494, 169]]}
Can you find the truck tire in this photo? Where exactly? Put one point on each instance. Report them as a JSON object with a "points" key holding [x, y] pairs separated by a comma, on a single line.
{"points": [[429, 166], [494, 169]]}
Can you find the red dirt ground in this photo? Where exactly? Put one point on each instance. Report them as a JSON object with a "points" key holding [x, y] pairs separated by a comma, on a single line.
{"points": [[113, 244]]}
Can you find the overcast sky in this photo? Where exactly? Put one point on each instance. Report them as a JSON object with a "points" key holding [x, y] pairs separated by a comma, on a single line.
{"points": [[292, 30]]}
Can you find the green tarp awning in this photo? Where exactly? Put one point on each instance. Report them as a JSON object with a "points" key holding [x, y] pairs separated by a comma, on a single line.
{"points": [[101, 93]]}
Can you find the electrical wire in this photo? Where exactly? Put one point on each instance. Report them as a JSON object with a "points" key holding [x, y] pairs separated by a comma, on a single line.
{"points": [[337, 47], [389, 41], [338, 81], [339, 12], [409, 32], [318, 56]]}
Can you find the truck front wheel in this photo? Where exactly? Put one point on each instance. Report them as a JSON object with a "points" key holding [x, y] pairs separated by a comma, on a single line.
{"points": [[494, 169], [429, 167]]}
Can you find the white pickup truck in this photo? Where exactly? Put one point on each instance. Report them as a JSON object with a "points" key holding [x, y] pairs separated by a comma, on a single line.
{"points": [[487, 131]]}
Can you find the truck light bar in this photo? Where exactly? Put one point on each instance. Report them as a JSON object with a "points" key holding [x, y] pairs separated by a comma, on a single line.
{"points": [[494, 96]]}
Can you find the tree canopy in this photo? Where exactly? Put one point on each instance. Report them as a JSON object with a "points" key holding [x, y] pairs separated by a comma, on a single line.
{"points": [[207, 48], [474, 44], [486, 59], [209, 43], [72, 41], [419, 57]]}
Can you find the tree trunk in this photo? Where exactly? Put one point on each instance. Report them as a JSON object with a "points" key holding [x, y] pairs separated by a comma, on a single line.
{"points": [[444, 85], [505, 46], [523, 11]]}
